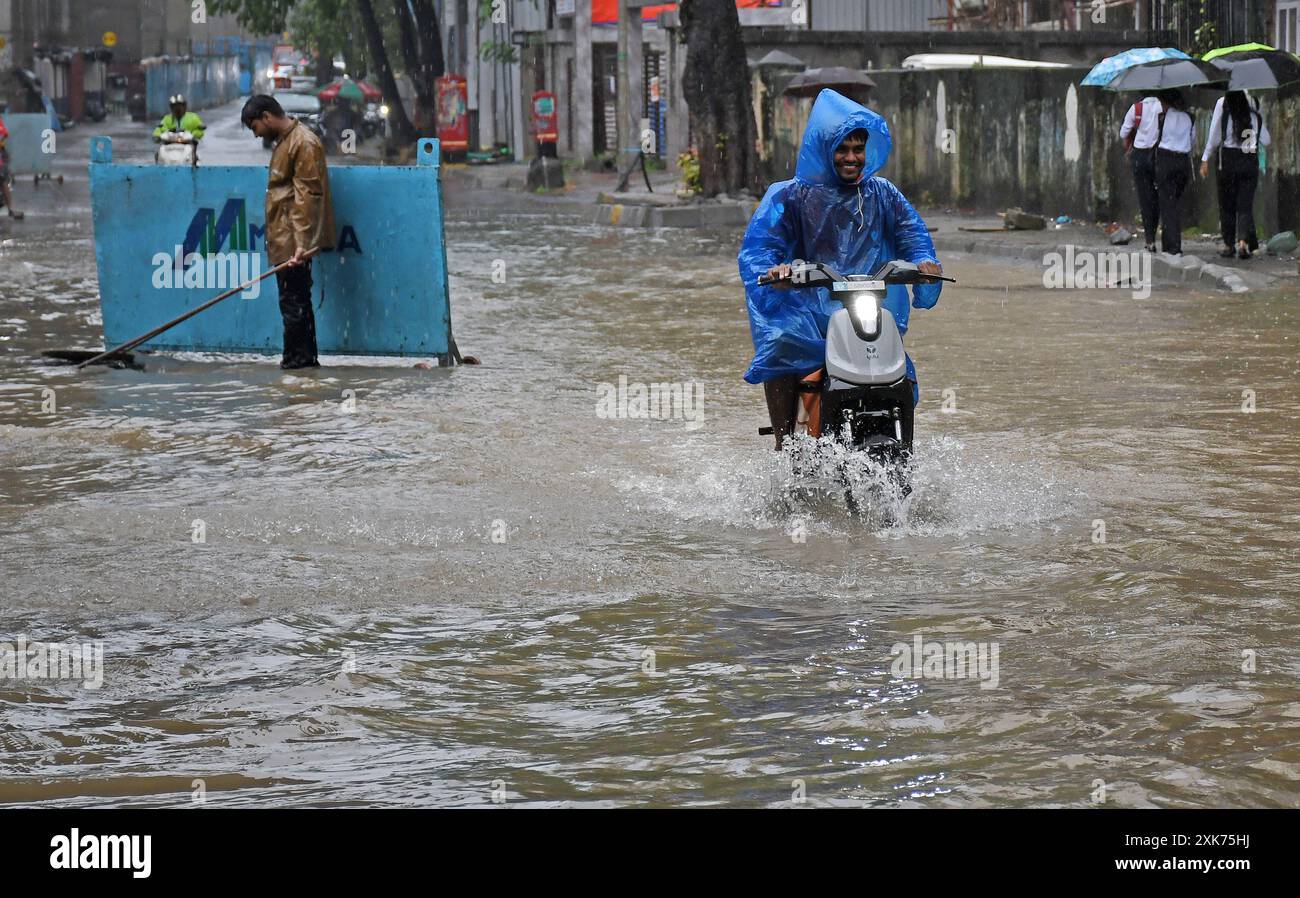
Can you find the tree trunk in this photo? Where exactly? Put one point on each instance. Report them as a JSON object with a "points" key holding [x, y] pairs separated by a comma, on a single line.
{"points": [[405, 131], [411, 60], [324, 69], [422, 54], [432, 64], [718, 96]]}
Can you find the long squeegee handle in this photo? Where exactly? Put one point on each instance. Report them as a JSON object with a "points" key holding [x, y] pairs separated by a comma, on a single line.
{"points": [[131, 344]]}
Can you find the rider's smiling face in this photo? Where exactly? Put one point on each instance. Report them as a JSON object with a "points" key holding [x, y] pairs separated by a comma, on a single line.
{"points": [[850, 157]]}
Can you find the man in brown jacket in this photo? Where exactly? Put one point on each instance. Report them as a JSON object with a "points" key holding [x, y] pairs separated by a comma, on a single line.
{"points": [[299, 218]]}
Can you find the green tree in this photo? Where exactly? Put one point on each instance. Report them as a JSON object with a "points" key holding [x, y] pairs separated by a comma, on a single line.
{"points": [[258, 16], [404, 130], [322, 27]]}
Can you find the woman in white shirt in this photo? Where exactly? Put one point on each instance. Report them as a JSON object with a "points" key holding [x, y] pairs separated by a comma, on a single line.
{"points": [[1173, 167], [1237, 131]]}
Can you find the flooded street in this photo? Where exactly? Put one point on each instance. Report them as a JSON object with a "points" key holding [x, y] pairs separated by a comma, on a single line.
{"points": [[423, 586]]}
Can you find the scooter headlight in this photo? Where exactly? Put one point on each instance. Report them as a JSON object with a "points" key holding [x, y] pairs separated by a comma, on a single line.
{"points": [[865, 309]]}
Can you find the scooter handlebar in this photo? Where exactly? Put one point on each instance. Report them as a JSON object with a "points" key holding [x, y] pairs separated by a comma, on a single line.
{"points": [[818, 275]]}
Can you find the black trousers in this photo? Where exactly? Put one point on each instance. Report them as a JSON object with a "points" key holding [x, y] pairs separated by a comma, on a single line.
{"points": [[1173, 173], [1144, 177], [1238, 178], [299, 320]]}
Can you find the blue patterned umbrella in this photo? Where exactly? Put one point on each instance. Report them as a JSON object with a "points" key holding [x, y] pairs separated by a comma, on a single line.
{"points": [[1109, 68]]}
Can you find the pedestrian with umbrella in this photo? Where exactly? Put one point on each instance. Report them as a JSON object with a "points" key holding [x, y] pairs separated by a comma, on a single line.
{"points": [[1153, 70], [1140, 132], [344, 95], [1173, 167], [1237, 131], [1142, 123]]}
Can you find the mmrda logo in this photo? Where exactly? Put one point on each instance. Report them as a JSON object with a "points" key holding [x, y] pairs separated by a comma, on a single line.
{"points": [[53, 661], [78, 852], [946, 661], [668, 401], [1087, 270]]}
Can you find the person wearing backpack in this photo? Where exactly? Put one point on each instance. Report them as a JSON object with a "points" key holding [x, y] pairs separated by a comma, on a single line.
{"points": [[1140, 133], [1173, 167], [1237, 131]]}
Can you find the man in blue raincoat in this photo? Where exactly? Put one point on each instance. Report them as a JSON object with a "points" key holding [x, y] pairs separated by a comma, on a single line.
{"points": [[837, 212]]}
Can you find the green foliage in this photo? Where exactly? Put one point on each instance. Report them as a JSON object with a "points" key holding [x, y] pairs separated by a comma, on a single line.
{"points": [[690, 168], [321, 26], [258, 16], [1206, 36]]}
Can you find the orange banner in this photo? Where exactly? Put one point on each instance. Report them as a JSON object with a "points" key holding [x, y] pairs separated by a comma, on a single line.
{"points": [[605, 12]]}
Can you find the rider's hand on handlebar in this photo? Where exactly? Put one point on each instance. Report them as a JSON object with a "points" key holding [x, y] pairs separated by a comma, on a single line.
{"points": [[780, 275], [930, 268]]}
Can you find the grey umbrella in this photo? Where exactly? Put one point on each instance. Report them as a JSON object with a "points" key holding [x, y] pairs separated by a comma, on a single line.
{"points": [[811, 82], [1169, 73], [1259, 74], [780, 59]]}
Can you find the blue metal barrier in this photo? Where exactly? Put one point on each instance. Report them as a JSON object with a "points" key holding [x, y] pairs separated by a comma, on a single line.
{"points": [[26, 148], [165, 236], [204, 80]]}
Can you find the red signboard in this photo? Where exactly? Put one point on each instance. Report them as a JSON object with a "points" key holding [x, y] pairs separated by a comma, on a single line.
{"points": [[453, 113], [546, 127], [605, 12]]}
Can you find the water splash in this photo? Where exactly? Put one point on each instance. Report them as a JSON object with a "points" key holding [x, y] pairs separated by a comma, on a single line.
{"points": [[951, 488]]}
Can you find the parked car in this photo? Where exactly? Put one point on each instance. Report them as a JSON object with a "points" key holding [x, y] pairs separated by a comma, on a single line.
{"points": [[303, 107]]}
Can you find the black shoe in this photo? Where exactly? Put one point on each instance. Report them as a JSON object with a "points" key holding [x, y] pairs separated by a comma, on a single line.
{"points": [[1151, 247], [287, 365], [1227, 252], [1243, 254]]}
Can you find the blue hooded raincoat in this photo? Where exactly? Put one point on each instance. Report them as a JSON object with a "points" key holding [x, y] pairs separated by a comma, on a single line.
{"points": [[817, 217]]}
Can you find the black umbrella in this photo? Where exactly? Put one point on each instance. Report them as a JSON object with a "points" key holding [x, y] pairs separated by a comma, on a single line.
{"points": [[1165, 73], [811, 82], [1260, 69]]}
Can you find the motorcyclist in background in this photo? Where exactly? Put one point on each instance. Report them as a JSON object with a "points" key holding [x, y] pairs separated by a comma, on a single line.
{"points": [[179, 120], [836, 212]]}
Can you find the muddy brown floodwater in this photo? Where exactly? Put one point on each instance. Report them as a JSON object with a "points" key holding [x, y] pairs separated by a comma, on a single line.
{"points": [[474, 581]]}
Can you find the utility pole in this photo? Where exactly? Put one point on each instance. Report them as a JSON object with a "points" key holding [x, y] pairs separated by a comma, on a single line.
{"points": [[631, 93], [584, 135]]}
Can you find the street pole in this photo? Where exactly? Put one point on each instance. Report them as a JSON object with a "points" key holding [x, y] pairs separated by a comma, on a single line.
{"points": [[631, 97], [584, 134], [621, 139]]}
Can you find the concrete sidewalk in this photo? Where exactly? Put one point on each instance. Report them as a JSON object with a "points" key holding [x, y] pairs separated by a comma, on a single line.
{"points": [[1199, 264]]}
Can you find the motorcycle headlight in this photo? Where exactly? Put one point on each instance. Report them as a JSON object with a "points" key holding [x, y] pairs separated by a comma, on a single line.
{"points": [[383, 111], [270, 73], [865, 309]]}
